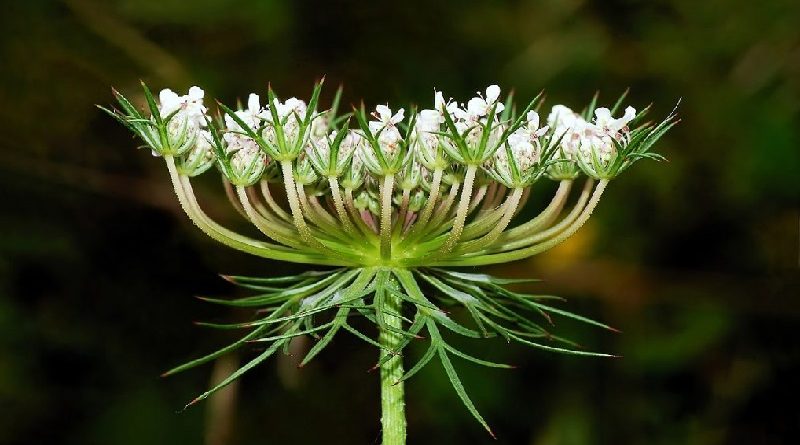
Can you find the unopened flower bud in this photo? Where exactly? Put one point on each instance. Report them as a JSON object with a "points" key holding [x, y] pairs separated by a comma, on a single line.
{"points": [[200, 157]]}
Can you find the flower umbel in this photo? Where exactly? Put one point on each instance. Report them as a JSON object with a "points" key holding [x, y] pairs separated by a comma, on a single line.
{"points": [[388, 199]]}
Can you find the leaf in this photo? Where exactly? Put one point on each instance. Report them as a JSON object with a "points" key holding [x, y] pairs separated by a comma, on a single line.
{"points": [[326, 339], [239, 372], [151, 103], [462, 297], [456, 382], [568, 314], [589, 111], [423, 361], [325, 287], [508, 107], [445, 321], [476, 360], [357, 333], [561, 350], [415, 328], [207, 358], [484, 278], [292, 334], [409, 283], [619, 101], [279, 280]]}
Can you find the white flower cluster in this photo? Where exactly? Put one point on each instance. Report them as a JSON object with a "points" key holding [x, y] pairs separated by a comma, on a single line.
{"points": [[582, 138], [514, 151], [186, 128]]}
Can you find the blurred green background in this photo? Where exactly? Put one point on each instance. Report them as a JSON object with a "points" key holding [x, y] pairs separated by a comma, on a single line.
{"points": [[696, 260]]}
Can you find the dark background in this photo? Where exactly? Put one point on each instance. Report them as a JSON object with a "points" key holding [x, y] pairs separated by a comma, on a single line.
{"points": [[696, 260]]}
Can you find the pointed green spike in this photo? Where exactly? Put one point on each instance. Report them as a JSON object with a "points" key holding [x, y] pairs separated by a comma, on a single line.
{"points": [[238, 373], [455, 381], [476, 360]]}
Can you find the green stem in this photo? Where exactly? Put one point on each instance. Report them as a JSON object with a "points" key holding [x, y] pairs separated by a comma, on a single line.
{"points": [[505, 257], [297, 213], [393, 418], [461, 212], [338, 203], [233, 239], [509, 242], [261, 223], [271, 201], [548, 214], [386, 188], [509, 210], [433, 197]]}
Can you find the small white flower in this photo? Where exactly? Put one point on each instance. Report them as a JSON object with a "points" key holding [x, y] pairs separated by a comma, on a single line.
{"points": [[429, 121], [562, 118], [532, 125], [187, 116], [252, 116], [389, 140], [385, 118], [189, 107], [385, 131], [610, 125], [292, 106], [526, 152], [480, 106]]}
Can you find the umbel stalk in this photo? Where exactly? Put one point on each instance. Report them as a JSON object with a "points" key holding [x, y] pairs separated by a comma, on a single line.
{"points": [[383, 207], [393, 416]]}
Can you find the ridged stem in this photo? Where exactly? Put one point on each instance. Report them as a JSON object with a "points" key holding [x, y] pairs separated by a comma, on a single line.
{"points": [[461, 210], [436, 183], [386, 188], [509, 210], [271, 201], [393, 416], [297, 213], [233, 239], [507, 242], [261, 223], [505, 257], [338, 203], [548, 214]]}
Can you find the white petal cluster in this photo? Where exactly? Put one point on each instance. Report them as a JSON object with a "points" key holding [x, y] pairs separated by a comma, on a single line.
{"points": [[586, 139], [187, 117], [511, 150], [480, 106], [246, 157], [385, 128], [189, 107], [525, 147], [472, 117], [291, 114], [427, 129], [235, 136]]}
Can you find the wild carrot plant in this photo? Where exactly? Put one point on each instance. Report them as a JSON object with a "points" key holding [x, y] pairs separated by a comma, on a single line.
{"points": [[391, 203]]}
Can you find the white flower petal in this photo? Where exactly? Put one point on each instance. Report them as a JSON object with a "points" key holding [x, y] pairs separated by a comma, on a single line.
{"points": [[533, 119], [476, 106], [253, 103], [398, 116], [492, 93], [196, 93], [384, 112], [630, 114], [438, 100]]}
